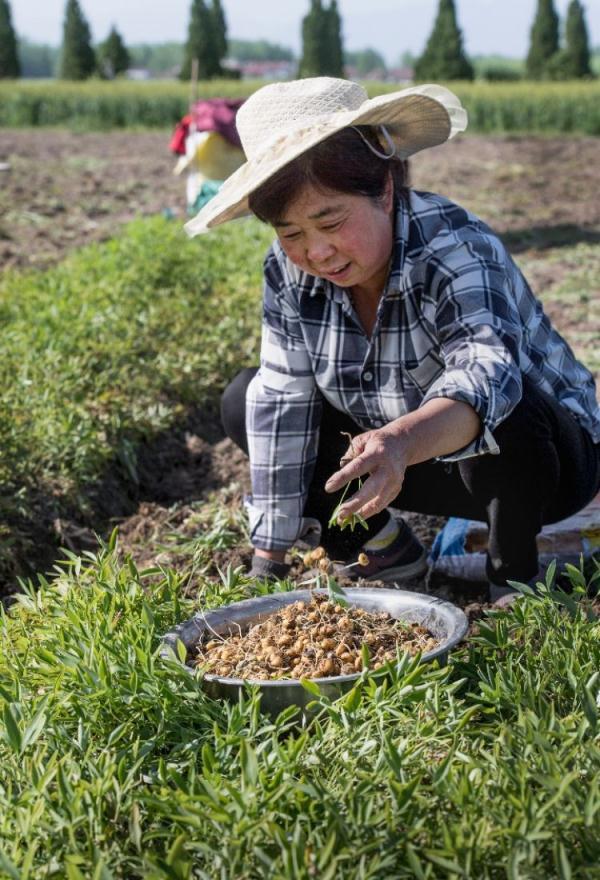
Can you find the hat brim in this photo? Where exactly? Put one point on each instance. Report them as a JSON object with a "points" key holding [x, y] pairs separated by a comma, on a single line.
{"points": [[416, 118]]}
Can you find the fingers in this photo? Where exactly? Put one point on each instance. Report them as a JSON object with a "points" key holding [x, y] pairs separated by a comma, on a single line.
{"points": [[358, 467], [374, 496], [355, 446]]}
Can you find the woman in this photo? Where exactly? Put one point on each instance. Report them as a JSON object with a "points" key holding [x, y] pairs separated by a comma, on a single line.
{"points": [[396, 317]]}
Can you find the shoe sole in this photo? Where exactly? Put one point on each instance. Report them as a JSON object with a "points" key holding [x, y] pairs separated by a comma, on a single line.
{"points": [[402, 572]]}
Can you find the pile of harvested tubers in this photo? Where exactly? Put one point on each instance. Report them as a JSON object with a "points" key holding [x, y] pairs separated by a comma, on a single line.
{"points": [[315, 639]]}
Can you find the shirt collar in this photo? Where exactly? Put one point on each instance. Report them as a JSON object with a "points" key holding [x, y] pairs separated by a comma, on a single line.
{"points": [[401, 224]]}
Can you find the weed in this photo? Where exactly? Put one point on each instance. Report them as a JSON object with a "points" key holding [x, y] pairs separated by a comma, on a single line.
{"points": [[109, 349], [115, 763]]}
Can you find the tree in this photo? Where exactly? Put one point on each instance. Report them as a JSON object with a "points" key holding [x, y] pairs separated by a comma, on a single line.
{"points": [[365, 61], [77, 56], [258, 50], [312, 37], [577, 47], [322, 50], [407, 59], [333, 50], [158, 58], [544, 40], [10, 67], [220, 25], [37, 59], [113, 57], [201, 43], [444, 57]]}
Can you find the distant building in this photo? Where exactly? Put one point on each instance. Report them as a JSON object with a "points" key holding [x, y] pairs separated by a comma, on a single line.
{"points": [[138, 73], [402, 75], [380, 74], [351, 72], [262, 69]]}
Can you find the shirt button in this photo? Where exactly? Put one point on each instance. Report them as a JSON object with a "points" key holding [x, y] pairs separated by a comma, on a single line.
{"points": [[378, 423], [367, 375]]}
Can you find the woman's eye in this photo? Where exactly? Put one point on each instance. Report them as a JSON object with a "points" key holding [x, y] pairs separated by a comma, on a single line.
{"points": [[290, 236], [331, 227]]}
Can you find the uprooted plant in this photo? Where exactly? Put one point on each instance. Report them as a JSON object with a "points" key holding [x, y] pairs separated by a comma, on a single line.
{"points": [[352, 519]]}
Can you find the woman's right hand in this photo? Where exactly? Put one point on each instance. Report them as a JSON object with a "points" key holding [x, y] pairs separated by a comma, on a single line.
{"points": [[380, 456]]}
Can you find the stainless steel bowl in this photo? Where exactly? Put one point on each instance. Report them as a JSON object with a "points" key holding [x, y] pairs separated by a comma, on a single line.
{"points": [[445, 621]]}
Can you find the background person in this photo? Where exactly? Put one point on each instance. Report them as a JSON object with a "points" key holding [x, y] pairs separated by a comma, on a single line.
{"points": [[398, 317]]}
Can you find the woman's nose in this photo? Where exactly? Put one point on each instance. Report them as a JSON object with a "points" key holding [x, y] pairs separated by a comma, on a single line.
{"points": [[319, 251]]}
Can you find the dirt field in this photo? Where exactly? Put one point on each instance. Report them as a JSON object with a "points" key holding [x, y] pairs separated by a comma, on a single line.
{"points": [[63, 190]]}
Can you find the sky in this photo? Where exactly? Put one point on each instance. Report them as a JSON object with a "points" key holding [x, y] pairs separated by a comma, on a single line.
{"points": [[390, 26]]}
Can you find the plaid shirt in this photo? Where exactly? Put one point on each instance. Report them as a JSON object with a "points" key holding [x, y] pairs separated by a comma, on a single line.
{"points": [[457, 320]]}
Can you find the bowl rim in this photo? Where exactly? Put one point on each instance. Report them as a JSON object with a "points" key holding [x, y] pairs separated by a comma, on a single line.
{"points": [[422, 598]]}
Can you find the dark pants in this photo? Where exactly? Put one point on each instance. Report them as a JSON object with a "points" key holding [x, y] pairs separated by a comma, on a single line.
{"points": [[548, 468]]}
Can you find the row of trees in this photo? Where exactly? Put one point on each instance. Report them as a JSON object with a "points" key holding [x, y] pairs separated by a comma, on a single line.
{"points": [[39, 60], [444, 57], [206, 42], [546, 58], [78, 58]]}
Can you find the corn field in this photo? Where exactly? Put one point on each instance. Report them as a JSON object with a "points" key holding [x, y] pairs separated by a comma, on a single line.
{"points": [[572, 107]]}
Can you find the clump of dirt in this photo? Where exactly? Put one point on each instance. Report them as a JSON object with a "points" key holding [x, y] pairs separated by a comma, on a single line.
{"points": [[315, 639]]}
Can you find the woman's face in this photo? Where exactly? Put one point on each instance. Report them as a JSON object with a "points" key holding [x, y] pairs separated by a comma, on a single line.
{"points": [[343, 238]]}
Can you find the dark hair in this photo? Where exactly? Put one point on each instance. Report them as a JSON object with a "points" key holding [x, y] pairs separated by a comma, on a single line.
{"points": [[343, 162]]}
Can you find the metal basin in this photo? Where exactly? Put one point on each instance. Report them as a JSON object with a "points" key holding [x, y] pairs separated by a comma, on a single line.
{"points": [[445, 621]]}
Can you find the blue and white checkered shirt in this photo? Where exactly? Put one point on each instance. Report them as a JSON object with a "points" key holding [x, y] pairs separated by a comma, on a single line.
{"points": [[457, 319]]}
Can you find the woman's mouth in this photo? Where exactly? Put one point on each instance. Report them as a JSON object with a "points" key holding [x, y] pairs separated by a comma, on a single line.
{"points": [[337, 274]]}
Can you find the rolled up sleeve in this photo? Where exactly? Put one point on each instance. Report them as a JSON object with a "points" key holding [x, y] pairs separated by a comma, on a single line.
{"points": [[283, 413], [479, 329]]}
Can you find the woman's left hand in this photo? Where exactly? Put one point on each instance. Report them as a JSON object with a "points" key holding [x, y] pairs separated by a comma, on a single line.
{"points": [[382, 455]]}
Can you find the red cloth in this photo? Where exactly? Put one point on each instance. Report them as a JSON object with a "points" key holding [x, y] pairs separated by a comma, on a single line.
{"points": [[177, 144], [212, 114]]}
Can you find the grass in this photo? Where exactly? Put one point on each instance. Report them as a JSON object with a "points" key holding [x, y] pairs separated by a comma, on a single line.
{"points": [[493, 107], [114, 763], [112, 347]]}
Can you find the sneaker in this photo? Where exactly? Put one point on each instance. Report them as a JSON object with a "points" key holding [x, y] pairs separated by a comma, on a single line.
{"points": [[502, 597], [404, 558]]}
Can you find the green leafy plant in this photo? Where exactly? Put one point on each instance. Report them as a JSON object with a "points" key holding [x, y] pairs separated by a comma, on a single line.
{"points": [[335, 592], [116, 763], [353, 519], [98, 361]]}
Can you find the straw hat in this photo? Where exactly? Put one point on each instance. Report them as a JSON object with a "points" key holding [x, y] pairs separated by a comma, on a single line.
{"points": [[281, 121]]}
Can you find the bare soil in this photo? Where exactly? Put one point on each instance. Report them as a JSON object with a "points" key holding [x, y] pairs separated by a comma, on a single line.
{"points": [[64, 190]]}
